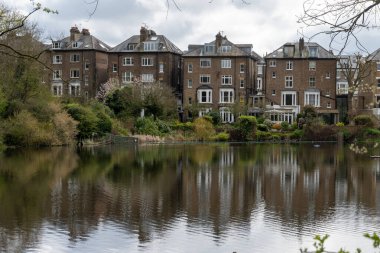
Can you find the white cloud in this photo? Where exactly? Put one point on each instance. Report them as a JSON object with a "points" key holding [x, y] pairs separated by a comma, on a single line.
{"points": [[265, 24]]}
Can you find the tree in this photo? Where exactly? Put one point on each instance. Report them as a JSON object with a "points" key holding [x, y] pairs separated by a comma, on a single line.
{"points": [[341, 20]]}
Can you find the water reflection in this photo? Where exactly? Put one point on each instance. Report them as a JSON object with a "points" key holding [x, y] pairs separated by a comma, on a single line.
{"points": [[219, 193]]}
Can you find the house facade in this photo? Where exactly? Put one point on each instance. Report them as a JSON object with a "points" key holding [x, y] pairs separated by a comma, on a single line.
{"points": [[299, 74], [79, 65], [146, 58], [218, 76]]}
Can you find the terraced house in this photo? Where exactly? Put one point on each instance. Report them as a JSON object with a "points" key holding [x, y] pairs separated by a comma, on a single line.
{"points": [[218, 76], [299, 74], [79, 64], [145, 59]]}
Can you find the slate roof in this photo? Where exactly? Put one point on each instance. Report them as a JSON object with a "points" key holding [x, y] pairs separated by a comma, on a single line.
{"points": [[304, 53], [375, 56], [85, 42], [165, 45], [236, 50]]}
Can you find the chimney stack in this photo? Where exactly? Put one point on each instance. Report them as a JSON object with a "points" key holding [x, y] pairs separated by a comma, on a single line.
{"points": [[218, 41], [301, 45], [74, 33], [85, 31], [143, 34]]}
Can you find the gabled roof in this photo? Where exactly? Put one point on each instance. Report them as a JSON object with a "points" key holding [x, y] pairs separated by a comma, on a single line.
{"points": [[164, 44], [301, 50], [85, 42], [375, 56], [236, 49]]}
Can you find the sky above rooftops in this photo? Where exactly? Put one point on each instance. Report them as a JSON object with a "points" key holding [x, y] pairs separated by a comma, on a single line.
{"points": [[266, 24]]}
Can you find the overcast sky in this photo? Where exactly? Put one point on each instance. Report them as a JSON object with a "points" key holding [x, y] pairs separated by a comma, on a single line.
{"points": [[266, 24]]}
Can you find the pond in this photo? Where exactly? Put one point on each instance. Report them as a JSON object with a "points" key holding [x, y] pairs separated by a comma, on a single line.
{"points": [[187, 198]]}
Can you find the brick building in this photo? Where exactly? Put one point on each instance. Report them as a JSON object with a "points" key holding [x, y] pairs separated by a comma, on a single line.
{"points": [[299, 74], [146, 58], [79, 63], [218, 76]]}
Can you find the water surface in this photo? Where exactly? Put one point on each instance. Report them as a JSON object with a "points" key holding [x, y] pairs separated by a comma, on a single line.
{"points": [[187, 198]]}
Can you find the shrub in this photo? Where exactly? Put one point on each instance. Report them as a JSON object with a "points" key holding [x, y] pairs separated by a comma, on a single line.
{"points": [[296, 134], [215, 117], [247, 125], [163, 127], [223, 136], [203, 129], [147, 126], [284, 126], [339, 124], [262, 127], [268, 123], [187, 126], [263, 136], [364, 120]]}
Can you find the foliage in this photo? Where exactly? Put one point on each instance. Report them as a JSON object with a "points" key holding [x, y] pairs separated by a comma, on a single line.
{"points": [[285, 126], [223, 136], [364, 120], [203, 129], [318, 132], [106, 88], [296, 134], [147, 126], [247, 126], [268, 123], [339, 124], [187, 126], [262, 127], [215, 116], [276, 126]]}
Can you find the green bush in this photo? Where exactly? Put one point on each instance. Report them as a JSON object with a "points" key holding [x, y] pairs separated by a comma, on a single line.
{"points": [[88, 121], [163, 127], [263, 136], [296, 134], [339, 124], [284, 126], [187, 126], [262, 127], [223, 136], [147, 126], [364, 120], [247, 125]]}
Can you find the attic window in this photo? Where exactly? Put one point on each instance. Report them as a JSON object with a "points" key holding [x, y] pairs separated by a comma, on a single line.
{"points": [[56, 45], [209, 48], [226, 49], [289, 51], [150, 46], [153, 38], [75, 44], [313, 51], [131, 46]]}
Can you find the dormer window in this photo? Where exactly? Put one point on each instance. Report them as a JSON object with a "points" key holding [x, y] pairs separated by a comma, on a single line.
{"points": [[289, 51], [313, 51], [209, 48], [226, 49], [150, 46], [75, 44], [131, 46], [56, 45]]}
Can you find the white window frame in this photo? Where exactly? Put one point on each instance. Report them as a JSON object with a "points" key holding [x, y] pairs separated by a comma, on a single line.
{"points": [[86, 80], [127, 77], [259, 69], [272, 63], [86, 65], [75, 44], [316, 100], [206, 79], [57, 59], [209, 48], [56, 45], [226, 116], [328, 105], [205, 63], [313, 65], [57, 74], [190, 68], [293, 95], [229, 99], [378, 66], [274, 74], [114, 67], [242, 83], [313, 51], [378, 82], [74, 73], [147, 78], [57, 89], [242, 67], [190, 83], [288, 81], [289, 65], [74, 57], [128, 61], [76, 86], [226, 80], [207, 93], [226, 49], [328, 75], [225, 63], [150, 46], [259, 86], [146, 61], [161, 67]]}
